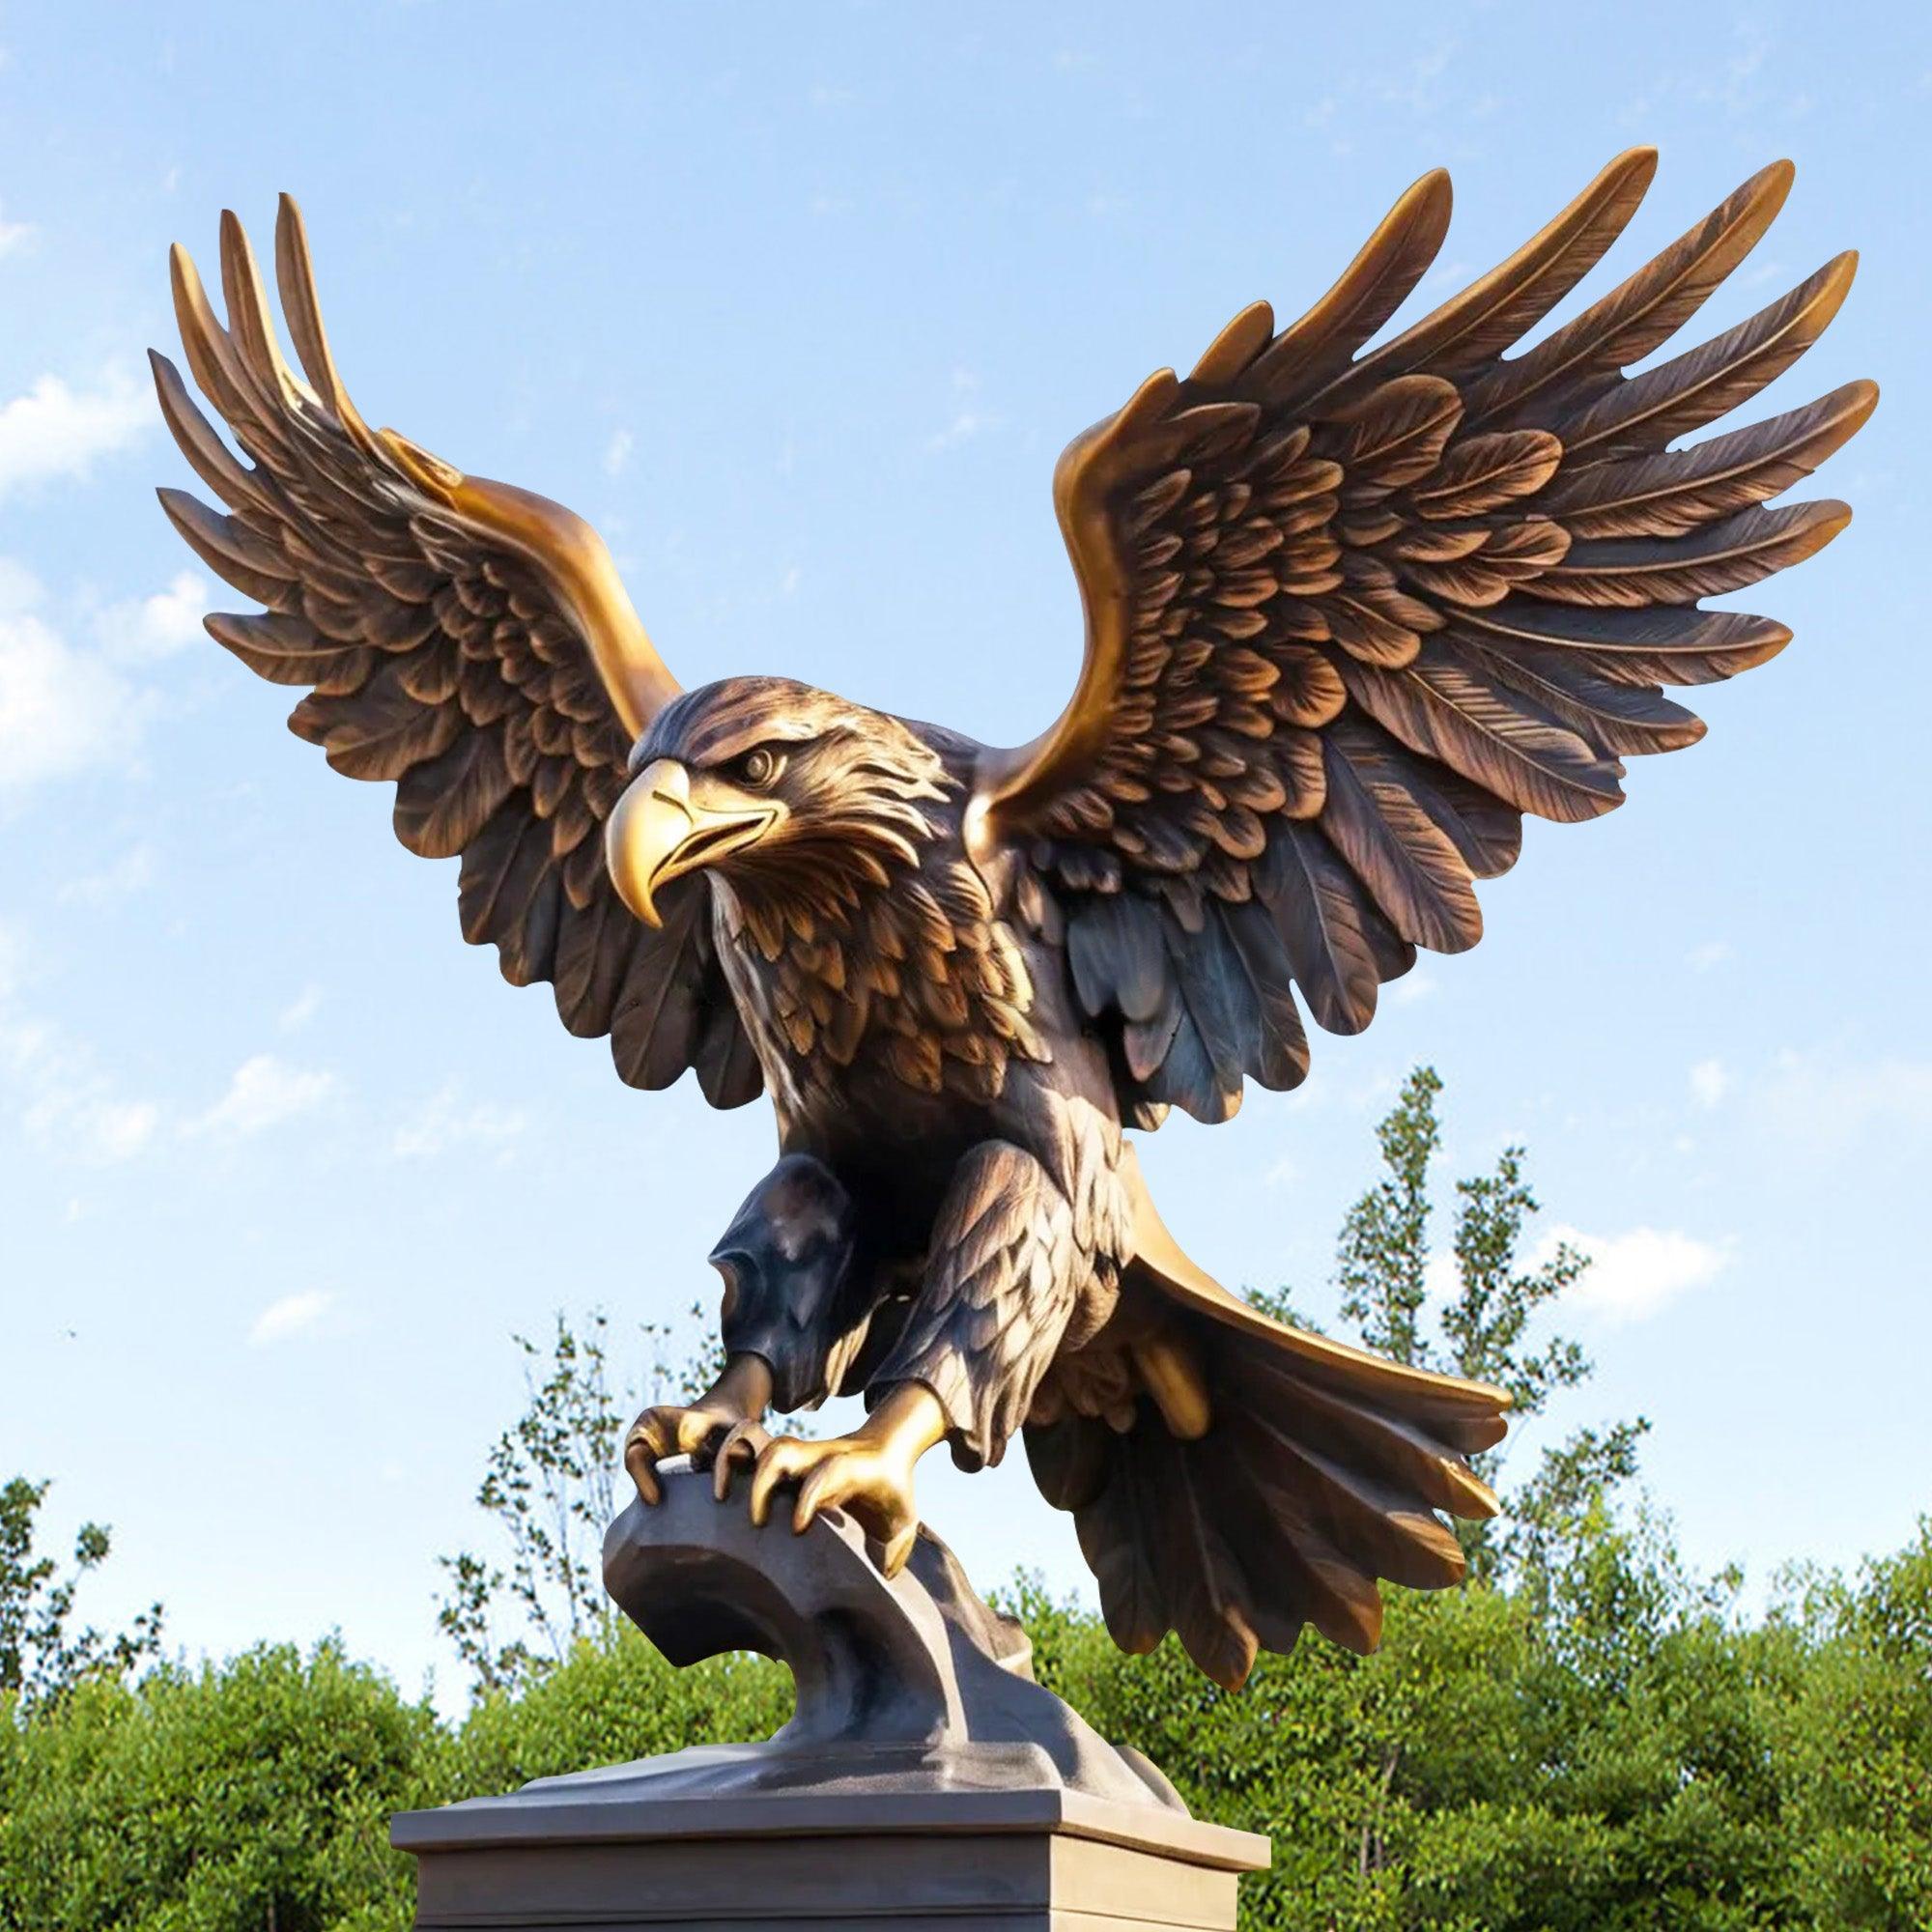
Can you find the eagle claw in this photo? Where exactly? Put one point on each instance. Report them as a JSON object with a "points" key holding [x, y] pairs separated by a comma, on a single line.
{"points": [[854, 1473], [743, 1443], [868, 1474], [718, 1419]]}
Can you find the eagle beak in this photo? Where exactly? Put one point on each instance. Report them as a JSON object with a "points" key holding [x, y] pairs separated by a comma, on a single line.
{"points": [[659, 832]]}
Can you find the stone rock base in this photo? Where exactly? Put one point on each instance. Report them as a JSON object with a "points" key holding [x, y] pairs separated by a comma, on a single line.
{"points": [[925, 1780]]}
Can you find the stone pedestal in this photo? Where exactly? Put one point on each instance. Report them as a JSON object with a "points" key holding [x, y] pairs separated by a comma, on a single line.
{"points": [[925, 1781], [578, 1852]]}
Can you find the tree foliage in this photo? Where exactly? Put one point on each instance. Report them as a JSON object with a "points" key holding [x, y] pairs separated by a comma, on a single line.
{"points": [[1627, 1754], [1589, 1738], [549, 1488], [43, 1654], [1487, 1315]]}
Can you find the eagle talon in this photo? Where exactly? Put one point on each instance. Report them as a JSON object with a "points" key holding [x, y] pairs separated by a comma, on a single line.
{"points": [[743, 1445], [734, 1402], [868, 1474]]}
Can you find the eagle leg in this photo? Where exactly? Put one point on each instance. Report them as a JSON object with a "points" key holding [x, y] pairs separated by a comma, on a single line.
{"points": [[1005, 1277], [787, 1321]]}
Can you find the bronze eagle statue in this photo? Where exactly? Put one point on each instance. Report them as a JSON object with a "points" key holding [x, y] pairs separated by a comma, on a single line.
{"points": [[1351, 612]]}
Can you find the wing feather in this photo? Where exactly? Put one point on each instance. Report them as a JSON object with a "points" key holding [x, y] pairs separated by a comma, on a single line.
{"points": [[1676, 495], [1493, 312], [1646, 412], [1377, 282], [462, 640], [1648, 309], [1353, 612], [1446, 705]]}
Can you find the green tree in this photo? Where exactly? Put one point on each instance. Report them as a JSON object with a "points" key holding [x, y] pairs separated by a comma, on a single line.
{"points": [[549, 1488], [1489, 1325], [1855, 1742], [552, 1483], [42, 1653]]}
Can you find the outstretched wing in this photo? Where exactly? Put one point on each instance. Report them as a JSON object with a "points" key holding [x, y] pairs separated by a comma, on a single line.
{"points": [[465, 638], [1350, 615]]}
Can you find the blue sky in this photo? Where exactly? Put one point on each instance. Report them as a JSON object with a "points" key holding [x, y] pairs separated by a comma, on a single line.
{"points": [[798, 305]]}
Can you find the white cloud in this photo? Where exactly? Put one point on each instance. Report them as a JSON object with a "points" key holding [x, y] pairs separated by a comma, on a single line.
{"points": [[61, 709], [1450, 276], [1712, 952], [965, 425], [147, 628], [14, 234], [76, 1112], [264, 1093], [68, 707], [1283, 1171], [1417, 983], [52, 431], [617, 452], [445, 1122], [1632, 1275], [292, 1316], [1708, 1083], [118, 1130]]}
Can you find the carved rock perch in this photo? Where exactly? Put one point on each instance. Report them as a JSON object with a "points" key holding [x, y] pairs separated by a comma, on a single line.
{"points": [[905, 1685]]}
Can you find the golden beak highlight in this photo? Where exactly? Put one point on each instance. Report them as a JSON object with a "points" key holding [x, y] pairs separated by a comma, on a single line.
{"points": [[659, 832]]}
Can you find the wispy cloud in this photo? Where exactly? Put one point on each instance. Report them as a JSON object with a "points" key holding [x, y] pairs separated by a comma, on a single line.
{"points": [[1705, 957], [617, 452], [67, 705], [292, 1316], [968, 419], [300, 1010], [61, 709], [1830, 1103], [115, 1130], [65, 1101], [265, 1093], [1417, 983], [53, 431], [1710, 1082], [446, 1121], [14, 234], [1284, 1171], [132, 872]]}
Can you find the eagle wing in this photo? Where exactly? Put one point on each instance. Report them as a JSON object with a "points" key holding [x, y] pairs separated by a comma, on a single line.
{"points": [[465, 638], [1349, 615]]}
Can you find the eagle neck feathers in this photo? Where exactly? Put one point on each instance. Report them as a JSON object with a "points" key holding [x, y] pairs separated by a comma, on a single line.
{"points": [[885, 947]]}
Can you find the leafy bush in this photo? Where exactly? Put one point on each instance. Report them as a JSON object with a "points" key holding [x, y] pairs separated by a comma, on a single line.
{"points": [[255, 1794]]}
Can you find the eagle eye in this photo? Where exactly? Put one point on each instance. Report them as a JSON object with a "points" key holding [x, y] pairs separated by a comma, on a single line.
{"points": [[759, 766]]}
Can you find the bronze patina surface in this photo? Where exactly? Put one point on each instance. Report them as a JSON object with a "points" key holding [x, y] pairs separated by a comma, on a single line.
{"points": [[1351, 612]]}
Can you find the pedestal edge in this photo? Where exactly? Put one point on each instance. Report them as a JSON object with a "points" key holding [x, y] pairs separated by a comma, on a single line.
{"points": [[555, 1815]]}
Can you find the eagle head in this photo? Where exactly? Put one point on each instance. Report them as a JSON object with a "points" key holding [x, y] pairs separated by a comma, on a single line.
{"points": [[783, 792]]}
